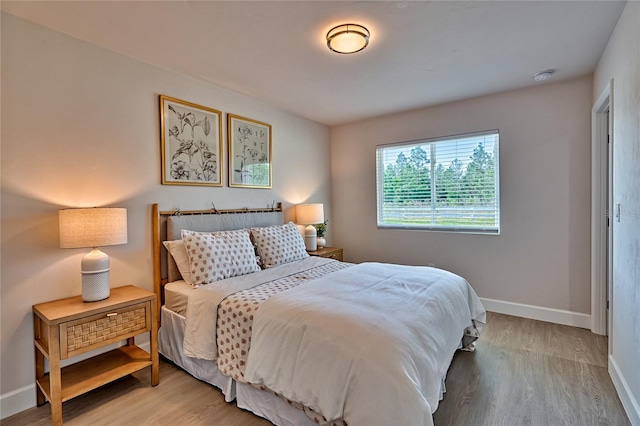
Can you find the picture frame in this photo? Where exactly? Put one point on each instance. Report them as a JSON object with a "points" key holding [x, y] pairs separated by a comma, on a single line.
{"points": [[191, 143], [250, 145]]}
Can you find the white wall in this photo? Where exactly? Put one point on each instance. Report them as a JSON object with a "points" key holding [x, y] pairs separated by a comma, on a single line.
{"points": [[80, 127], [542, 256], [621, 62]]}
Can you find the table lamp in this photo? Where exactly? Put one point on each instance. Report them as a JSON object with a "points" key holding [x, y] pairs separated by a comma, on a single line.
{"points": [[93, 227], [309, 215]]}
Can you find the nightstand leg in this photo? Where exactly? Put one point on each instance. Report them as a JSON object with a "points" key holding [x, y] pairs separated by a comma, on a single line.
{"points": [[155, 362], [55, 378], [37, 331], [40, 399]]}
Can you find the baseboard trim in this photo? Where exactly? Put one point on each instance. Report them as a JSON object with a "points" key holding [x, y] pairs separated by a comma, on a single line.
{"points": [[557, 316], [630, 404], [24, 398], [17, 400]]}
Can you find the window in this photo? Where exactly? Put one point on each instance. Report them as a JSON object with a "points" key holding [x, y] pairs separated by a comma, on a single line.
{"points": [[442, 184]]}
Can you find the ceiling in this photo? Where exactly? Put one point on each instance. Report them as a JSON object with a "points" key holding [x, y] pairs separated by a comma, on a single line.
{"points": [[421, 53]]}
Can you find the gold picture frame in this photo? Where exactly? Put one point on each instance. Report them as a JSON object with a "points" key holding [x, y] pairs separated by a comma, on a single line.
{"points": [[250, 161], [191, 143]]}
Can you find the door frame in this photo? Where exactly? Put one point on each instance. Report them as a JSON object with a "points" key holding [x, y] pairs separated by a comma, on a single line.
{"points": [[601, 194]]}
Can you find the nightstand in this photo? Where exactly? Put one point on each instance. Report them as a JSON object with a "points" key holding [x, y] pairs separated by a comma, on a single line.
{"points": [[68, 327], [329, 252]]}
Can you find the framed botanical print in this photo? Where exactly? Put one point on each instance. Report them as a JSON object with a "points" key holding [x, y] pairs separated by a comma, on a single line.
{"points": [[250, 164], [191, 143]]}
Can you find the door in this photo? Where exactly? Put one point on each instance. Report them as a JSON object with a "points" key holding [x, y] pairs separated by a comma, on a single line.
{"points": [[603, 214]]}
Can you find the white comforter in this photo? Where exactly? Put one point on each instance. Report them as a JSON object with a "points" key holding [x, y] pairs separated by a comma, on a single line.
{"points": [[369, 344], [202, 305]]}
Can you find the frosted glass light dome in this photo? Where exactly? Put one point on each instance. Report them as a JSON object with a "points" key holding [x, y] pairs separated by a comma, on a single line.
{"points": [[348, 38]]}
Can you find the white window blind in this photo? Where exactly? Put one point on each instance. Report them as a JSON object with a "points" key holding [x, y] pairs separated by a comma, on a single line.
{"points": [[442, 184]]}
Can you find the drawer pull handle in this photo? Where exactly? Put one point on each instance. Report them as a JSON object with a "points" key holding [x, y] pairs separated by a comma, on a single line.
{"points": [[113, 314]]}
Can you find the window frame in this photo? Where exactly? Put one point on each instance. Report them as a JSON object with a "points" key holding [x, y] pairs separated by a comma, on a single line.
{"points": [[380, 172]]}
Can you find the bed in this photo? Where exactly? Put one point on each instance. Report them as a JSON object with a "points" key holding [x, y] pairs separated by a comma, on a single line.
{"points": [[305, 340]]}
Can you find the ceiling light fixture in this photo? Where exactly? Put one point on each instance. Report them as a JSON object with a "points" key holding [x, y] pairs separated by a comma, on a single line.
{"points": [[543, 75], [347, 38]]}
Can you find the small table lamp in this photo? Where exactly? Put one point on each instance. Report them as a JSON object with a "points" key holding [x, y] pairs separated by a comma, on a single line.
{"points": [[310, 214], [93, 227]]}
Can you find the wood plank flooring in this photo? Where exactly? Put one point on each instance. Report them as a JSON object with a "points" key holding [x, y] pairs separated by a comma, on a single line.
{"points": [[527, 372], [523, 372]]}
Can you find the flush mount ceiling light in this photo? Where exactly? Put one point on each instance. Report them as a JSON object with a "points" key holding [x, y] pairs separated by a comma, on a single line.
{"points": [[543, 75], [347, 38]]}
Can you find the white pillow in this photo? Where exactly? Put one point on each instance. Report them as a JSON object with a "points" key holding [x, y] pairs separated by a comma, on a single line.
{"points": [[279, 244], [178, 251], [214, 256]]}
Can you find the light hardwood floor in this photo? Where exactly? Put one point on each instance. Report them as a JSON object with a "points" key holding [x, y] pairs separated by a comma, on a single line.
{"points": [[523, 372]]}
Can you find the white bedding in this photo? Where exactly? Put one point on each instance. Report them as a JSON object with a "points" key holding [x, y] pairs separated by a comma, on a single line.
{"points": [[368, 344], [200, 331]]}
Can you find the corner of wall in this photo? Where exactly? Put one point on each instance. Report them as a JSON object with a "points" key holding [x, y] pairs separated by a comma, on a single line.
{"points": [[540, 313], [630, 404]]}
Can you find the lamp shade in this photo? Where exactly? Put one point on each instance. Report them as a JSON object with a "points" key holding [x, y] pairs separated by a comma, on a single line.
{"points": [[93, 227], [310, 214]]}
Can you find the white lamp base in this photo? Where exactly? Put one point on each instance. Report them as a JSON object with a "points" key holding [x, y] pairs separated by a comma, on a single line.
{"points": [[95, 276], [310, 241]]}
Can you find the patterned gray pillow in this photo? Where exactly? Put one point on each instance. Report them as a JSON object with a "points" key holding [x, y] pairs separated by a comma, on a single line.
{"points": [[215, 256], [278, 244]]}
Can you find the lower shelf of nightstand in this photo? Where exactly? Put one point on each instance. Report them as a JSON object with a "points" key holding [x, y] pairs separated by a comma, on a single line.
{"points": [[97, 371]]}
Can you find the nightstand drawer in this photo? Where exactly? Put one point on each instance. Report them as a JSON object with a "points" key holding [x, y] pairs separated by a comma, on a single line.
{"points": [[334, 253], [336, 256], [97, 330]]}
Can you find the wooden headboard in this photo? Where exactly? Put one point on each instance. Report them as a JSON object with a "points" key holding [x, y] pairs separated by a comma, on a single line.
{"points": [[167, 224]]}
